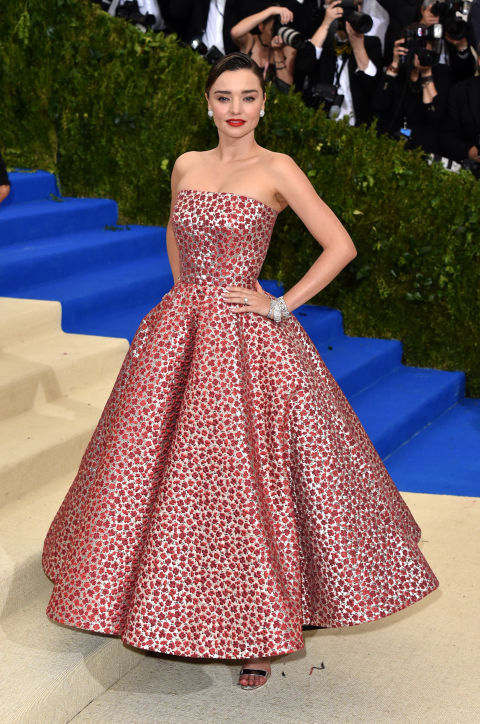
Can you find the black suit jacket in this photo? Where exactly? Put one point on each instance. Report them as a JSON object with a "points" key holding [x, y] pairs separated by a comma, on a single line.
{"points": [[362, 86], [474, 23], [188, 18], [462, 126], [461, 66]]}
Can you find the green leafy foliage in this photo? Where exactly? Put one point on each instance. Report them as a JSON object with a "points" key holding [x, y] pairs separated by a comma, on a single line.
{"points": [[109, 109]]}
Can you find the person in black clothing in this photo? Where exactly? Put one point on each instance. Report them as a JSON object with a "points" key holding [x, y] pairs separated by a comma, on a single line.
{"points": [[346, 61], [456, 53], [460, 137], [254, 36], [411, 99], [4, 181], [402, 13], [199, 18], [474, 23]]}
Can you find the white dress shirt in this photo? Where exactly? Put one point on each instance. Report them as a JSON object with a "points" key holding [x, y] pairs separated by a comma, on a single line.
{"points": [[344, 85], [213, 34]]}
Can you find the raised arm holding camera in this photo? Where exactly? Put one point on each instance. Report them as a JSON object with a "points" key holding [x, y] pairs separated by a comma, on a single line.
{"points": [[411, 99], [256, 35], [349, 63], [447, 19]]}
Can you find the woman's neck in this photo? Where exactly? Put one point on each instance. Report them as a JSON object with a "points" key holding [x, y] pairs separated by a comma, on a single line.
{"points": [[235, 149]]}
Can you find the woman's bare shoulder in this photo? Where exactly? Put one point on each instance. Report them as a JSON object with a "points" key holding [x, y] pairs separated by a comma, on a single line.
{"points": [[282, 161], [187, 159]]}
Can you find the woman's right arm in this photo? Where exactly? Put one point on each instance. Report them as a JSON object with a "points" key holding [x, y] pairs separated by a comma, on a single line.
{"points": [[338, 248], [172, 249], [240, 32]]}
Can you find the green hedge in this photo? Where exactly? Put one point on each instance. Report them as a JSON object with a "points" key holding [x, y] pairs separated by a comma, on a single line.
{"points": [[109, 109]]}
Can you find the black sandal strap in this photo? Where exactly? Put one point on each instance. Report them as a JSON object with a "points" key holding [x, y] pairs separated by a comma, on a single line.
{"points": [[255, 672]]}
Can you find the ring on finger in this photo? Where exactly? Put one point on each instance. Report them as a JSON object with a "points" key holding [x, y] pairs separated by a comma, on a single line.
{"points": [[245, 301]]}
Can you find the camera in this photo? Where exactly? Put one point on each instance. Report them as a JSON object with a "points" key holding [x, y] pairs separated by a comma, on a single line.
{"points": [[360, 22], [447, 11], [288, 35], [130, 11], [416, 40], [443, 8], [144, 14], [317, 94], [211, 54]]}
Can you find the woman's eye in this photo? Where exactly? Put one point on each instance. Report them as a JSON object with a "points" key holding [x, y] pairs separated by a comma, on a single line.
{"points": [[249, 98]]}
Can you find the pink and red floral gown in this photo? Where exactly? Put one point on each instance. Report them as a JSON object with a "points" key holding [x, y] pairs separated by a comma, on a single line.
{"points": [[229, 495]]}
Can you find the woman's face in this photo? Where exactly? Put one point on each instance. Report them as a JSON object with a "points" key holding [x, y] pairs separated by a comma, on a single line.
{"points": [[427, 16], [266, 32], [236, 99]]}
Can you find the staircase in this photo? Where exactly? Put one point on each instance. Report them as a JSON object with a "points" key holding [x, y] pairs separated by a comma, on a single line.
{"points": [[53, 386], [106, 276]]}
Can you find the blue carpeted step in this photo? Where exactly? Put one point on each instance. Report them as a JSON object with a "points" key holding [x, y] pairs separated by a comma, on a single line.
{"points": [[44, 260], [38, 219], [444, 457], [357, 362], [113, 324], [105, 291], [272, 286], [30, 187], [320, 323], [404, 401]]}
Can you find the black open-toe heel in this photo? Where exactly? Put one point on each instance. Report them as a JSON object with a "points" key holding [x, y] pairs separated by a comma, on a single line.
{"points": [[254, 672]]}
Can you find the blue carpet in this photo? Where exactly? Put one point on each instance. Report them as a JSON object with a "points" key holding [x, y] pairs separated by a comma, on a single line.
{"points": [[107, 278]]}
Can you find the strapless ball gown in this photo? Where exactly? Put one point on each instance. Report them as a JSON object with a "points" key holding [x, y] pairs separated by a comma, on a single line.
{"points": [[229, 497]]}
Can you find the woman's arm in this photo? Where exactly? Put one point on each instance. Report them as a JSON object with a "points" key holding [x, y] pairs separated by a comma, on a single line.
{"points": [[325, 227], [240, 31], [178, 172]]}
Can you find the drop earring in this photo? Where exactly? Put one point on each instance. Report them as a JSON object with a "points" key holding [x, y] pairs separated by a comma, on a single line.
{"points": [[262, 113], [210, 113]]}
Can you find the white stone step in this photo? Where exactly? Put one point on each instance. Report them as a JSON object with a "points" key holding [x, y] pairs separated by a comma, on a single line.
{"points": [[41, 445], [42, 369], [48, 673], [25, 523], [23, 319]]}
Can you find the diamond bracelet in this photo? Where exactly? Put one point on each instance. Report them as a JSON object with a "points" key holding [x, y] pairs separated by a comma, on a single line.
{"points": [[278, 309]]}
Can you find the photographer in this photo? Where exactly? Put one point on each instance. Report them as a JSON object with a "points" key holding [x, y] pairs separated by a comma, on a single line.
{"points": [[401, 13], [255, 36], [411, 98], [348, 64], [454, 47], [209, 21], [474, 23], [460, 137]]}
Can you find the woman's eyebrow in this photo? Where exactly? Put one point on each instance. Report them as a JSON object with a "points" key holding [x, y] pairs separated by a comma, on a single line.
{"points": [[225, 92]]}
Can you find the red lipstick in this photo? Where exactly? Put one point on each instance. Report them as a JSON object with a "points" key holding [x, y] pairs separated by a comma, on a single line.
{"points": [[235, 122]]}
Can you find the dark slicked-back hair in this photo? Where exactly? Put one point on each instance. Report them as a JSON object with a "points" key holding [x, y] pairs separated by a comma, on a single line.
{"points": [[233, 61]]}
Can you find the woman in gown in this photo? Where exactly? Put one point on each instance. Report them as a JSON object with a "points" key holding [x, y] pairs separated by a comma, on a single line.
{"points": [[229, 496]]}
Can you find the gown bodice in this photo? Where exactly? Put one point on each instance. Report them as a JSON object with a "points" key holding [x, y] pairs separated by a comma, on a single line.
{"points": [[222, 237]]}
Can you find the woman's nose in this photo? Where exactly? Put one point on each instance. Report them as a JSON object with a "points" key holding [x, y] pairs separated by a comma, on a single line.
{"points": [[235, 106]]}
